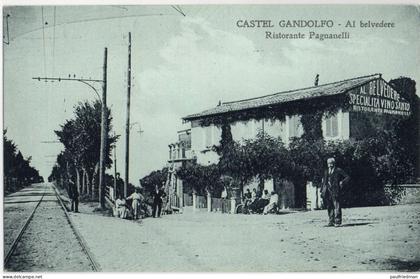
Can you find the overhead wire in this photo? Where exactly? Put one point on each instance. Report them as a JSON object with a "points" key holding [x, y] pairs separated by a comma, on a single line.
{"points": [[178, 9], [53, 44], [90, 20], [43, 41]]}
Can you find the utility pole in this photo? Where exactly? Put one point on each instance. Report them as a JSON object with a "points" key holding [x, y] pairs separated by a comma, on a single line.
{"points": [[104, 134], [104, 138], [115, 172], [127, 127]]}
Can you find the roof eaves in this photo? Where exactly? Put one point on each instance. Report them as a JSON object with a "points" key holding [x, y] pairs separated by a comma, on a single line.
{"points": [[204, 114]]}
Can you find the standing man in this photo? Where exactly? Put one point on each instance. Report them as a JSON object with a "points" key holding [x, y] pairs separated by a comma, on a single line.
{"points": [[74, 196], [332, 186], [158, 196], [136, 198]]}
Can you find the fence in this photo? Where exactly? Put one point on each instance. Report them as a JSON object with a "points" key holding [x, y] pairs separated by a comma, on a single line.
{"points": [[220, 205], [174, 200], [215, 204], [188, 200], [201, 202]]}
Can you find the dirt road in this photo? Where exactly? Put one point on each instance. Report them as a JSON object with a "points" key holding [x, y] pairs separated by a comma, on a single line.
{"points": [[371, 239]]}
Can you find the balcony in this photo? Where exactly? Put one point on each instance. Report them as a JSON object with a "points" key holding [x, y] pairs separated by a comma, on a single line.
{"points": [[179, 152]]}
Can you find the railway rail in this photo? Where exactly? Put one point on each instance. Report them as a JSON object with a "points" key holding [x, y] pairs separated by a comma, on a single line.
{"points": [[50, 188]]}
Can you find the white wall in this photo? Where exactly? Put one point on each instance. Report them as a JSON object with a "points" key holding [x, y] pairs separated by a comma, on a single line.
{"points": [[202, 140], [243, 130]]}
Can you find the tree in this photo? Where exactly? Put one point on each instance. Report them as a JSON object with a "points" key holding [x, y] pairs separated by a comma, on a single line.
{"points": [[408, 129], [201, 179], [154, 178], [17, 171], [81, 139]]}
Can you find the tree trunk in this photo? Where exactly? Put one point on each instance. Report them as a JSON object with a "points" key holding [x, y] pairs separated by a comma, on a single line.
{"points": [[95, 182], [261, 185], [88, 183], [83, 181], [78, 180]]}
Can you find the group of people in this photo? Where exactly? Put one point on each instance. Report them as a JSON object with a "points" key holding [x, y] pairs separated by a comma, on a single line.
{"points": [[261, 203], [332, 186], [333, 182], [138, 201]]}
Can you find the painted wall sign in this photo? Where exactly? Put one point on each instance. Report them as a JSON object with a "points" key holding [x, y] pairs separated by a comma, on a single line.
{"points": [[378, 97]]}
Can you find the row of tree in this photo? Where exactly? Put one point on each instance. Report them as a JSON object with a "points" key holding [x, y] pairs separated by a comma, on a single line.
{"points": [[81, 137], [17, 170]]}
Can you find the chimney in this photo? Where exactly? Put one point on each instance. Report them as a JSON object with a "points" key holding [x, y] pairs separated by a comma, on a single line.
{"points": [[220, 103], [316, 79]]}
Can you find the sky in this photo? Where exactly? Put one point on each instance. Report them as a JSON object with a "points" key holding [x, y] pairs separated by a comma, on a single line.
{"points": [[180, 65]]}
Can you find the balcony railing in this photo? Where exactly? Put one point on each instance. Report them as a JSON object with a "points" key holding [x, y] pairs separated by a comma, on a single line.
{"points": [[184, 155]]}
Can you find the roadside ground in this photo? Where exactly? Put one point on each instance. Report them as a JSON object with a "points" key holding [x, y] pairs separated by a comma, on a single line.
{"points": [[371, 239]]}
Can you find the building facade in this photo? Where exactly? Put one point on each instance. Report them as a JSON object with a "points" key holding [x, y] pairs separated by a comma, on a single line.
{"points": [[179, 153], [347, 103]]}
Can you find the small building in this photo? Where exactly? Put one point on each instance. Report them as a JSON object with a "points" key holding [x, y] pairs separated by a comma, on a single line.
{"points": [[351, 106], [179, 153]]}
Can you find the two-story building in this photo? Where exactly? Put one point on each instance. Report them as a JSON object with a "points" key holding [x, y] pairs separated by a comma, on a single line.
{"points": [[353, 100], [179, 153]]}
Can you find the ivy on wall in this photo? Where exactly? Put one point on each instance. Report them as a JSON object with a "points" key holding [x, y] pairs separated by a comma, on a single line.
{"points": [[387, 154], [327, 105]]}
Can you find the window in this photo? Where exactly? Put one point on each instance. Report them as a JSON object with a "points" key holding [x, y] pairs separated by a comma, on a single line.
{"points": [[294, 126], [208, 136], [173, 153], [331, 125]]}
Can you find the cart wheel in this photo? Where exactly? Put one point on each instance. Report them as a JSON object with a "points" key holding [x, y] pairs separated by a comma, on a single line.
{"points": [[239, 209]]}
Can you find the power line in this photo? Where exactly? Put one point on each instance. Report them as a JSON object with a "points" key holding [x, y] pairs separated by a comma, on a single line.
{"points": [[74, 79], [178, 9], [43, 40], [88, 82], [119, 7], [53, 48], [91, 20]]}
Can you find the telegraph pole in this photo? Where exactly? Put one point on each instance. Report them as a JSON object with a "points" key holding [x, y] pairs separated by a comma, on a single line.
{"points": [[104, 138], [127, 127], [104, 134], [115, 172]]}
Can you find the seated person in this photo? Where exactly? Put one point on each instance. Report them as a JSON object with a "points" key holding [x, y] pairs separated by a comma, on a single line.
{"points": [[265, 199], [259, 204], [274, 199], [247, 197], [253, 195], [121, 209]]}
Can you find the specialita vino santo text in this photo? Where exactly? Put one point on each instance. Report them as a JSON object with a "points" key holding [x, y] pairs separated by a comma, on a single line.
{"points": [[300, 23]]}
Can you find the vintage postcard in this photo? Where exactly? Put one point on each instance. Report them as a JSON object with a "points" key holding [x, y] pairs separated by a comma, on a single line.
{"points": [[211, 138]]}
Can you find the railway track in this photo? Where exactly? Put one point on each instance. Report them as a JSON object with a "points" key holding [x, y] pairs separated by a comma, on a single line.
{"points": [[49, 190]]}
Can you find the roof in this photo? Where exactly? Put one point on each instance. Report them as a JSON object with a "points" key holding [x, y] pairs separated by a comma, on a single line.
{"points": [[329, 89]]}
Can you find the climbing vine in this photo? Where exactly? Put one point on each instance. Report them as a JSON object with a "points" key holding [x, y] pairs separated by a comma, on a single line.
{"points": [[327, 105]]}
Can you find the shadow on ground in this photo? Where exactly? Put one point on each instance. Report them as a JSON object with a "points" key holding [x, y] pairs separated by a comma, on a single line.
{"points": [[357, 224], [402, 265]]}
